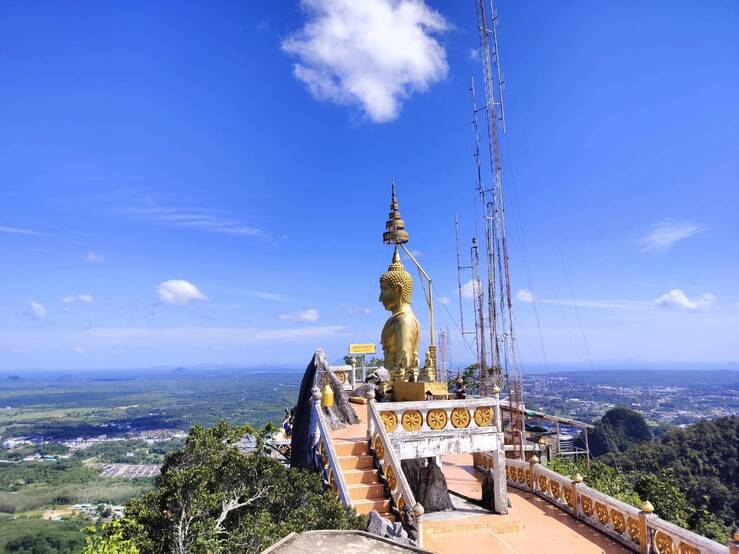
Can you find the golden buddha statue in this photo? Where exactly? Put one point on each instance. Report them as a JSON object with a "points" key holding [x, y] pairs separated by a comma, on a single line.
{"points": [[400, 334]]}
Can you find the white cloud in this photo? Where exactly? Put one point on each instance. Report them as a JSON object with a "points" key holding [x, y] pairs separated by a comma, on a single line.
{"points": [[92, 257], [372, 53], [444, 300], [268, 295], [311, 314], [474, 54], [82, 298], [666, 233], [178, 291], [19, 231], [525, 295], [677, 298], [196, 219], [79, 350], [38, 311], [470, 288]]}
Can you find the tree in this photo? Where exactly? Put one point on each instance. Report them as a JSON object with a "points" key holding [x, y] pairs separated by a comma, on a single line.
{"points": [[210, 497], [619, 429]]}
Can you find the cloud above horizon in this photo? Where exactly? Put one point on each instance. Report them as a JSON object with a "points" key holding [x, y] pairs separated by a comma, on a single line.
{"points": [[37, 311], [79, 298], [677, 298], [178, 291], [664, 234], [311, 314], [373, 53]]}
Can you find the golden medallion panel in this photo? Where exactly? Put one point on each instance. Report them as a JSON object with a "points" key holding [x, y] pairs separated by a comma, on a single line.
{"points": [[436, 419], [663, 543], [460, 417], [411, 420], [392, 480], [555, 489], [687, 549], [618, 521], [483, 416], [587, 506], [602, 513], [389, 421], [633, 526], [379, 449]]}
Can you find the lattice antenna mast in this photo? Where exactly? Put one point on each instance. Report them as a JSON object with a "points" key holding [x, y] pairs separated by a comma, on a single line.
{"points": [[460, 268], [479, 304], [489, 234], [495, 212]]}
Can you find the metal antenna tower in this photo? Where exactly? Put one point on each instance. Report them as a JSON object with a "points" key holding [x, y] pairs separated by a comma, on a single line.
{"points": [[501, 319], [479, 304]]}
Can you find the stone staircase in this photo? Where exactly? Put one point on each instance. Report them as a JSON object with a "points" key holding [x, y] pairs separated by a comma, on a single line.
{"points": [[365, 487]]}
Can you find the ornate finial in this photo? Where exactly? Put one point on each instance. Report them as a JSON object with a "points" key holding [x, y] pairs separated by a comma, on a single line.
{"points": [[534, 459], [496, 389], [395, 232], [418, 509], [647, 507], [577, 478]]}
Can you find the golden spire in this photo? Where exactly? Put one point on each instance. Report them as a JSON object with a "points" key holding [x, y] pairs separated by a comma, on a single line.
{"points": [[395, 232]]}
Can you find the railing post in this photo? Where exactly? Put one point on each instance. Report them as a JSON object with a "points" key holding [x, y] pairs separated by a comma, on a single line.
{"points": [[647, 512], [576, 480], [533, 461], [370, 418], [354, 373], [500, 492], [496, 408], [418, 511]]}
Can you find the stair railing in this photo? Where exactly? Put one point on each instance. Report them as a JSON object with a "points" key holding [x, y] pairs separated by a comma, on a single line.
{"points": [[410, 511], [325, 453]]}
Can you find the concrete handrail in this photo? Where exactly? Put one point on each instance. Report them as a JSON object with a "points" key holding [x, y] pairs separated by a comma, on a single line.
{"points": [[331, 466], [639, 530], [400, 490]]}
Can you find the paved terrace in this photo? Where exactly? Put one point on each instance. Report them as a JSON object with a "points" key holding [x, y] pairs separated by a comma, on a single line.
{"points": [[532, 525]]}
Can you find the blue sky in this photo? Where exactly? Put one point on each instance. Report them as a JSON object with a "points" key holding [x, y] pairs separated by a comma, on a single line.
{"points": [[208, 182]]}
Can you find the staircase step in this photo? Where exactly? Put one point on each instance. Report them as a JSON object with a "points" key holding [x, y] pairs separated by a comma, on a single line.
{"points": [[366, 506], [356, 462], [361, 491], [351, 448], [366, 476]]}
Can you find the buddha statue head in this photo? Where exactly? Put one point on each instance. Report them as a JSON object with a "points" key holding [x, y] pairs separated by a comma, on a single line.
{"points": [[396, 285]]}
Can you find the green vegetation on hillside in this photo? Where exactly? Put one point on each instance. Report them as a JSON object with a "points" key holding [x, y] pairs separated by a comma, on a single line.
{"points": [[689, 475], [212, 498]]}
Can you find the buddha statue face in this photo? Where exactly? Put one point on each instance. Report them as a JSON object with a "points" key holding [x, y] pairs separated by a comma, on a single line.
{"points": [[391, 296], [396, 285]]}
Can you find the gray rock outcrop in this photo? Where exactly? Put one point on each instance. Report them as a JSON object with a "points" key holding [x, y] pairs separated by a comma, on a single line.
{"points": [[428, 484]]}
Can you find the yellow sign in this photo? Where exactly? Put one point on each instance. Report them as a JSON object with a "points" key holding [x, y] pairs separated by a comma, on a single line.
{"points": [[365, 348]]}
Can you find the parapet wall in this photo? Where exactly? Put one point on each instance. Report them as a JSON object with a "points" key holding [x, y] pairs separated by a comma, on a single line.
{"points": [[639, 530]]}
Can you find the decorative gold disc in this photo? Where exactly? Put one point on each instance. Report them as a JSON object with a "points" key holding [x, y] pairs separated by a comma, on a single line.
{"points": [[460, 417], [341, 377], [663, 543], [392, 480], [379, 449], [389, 420], [436, 419], [411, 420], [484, 416], [619, 521]]}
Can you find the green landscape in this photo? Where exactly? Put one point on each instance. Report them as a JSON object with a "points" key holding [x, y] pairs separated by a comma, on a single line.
{"points": [[66, 428]]}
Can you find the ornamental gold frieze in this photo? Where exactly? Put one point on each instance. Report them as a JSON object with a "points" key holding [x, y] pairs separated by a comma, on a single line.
{"points": [[529, 478], [542, 483], [411, 420], [460, 418], [436, 419], [324, 454], [618, 521], [663, 543], [587, 506], [520, 476], [379, 448], [602, 513], [555, 489], [340, 376], [633, 527], [483, 416], [391, 478], [389, 421]]}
